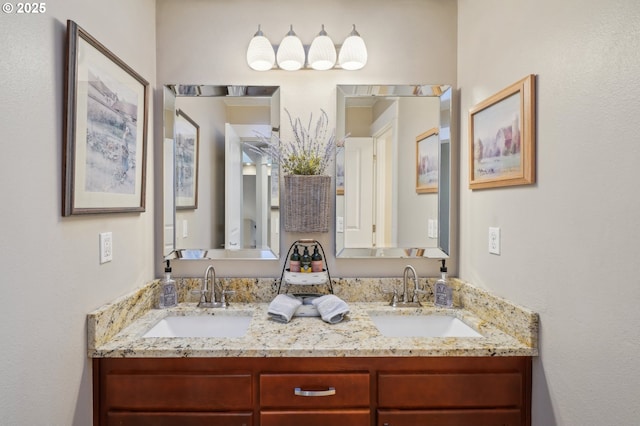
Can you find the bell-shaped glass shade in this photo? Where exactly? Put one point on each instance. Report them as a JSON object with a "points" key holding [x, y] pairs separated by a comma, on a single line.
{"points": [[322, 53], [260, 54], [290, 54], [353, 54]]}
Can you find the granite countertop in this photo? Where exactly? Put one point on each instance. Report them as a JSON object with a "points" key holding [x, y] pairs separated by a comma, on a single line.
{"points": [[356, 336]]}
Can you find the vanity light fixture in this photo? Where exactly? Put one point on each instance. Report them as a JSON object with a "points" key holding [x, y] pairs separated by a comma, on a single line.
{"points": [[322, 53], [290, 54], [260, 54], [353, 54]]}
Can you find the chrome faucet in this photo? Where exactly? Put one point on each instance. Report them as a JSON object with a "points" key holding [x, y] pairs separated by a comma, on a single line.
{"points": [[414, 302], [208, 292], [406, 303], [405, 296]]}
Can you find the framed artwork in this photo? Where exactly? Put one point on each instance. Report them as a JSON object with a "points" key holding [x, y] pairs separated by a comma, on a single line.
{"points": [[187, 147], [105, 130], [502, 138], [275, 187], [427, 163], [340, 170]]}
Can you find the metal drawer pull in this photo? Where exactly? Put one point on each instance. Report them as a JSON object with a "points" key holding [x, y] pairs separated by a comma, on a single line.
{"points": [[328, 392]]}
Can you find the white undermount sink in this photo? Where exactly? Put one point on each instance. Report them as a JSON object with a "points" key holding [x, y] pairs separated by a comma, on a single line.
{"points": [[201, 326], [391, 325]]}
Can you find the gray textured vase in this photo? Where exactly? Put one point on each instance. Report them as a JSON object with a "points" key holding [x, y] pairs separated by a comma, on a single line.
{"points": [[306, 203]]}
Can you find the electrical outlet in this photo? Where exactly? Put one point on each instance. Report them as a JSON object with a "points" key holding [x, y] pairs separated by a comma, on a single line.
{"points": [[106, 247], [185, 228], [494, 240]]}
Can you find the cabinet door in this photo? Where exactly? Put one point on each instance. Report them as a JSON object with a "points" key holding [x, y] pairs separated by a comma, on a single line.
{"points": [[179, 419], [316, 418], [506, 417]]}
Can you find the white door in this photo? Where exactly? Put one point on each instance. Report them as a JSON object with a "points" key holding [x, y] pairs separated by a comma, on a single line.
{"points": [[358, 192], [384, 193], [169, 202], [233, 218]]}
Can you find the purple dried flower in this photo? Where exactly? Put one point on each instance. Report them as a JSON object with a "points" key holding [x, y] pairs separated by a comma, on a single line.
{"points": [[309, 153]]}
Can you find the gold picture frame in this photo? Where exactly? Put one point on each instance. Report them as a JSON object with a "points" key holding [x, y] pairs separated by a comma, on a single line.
{"points": [[502, 138], [427, 163]]}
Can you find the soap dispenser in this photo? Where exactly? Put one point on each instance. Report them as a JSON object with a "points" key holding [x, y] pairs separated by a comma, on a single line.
{"points": [[305, 261], [168, 293], [294, 260], [443, 292], [316, 260]]}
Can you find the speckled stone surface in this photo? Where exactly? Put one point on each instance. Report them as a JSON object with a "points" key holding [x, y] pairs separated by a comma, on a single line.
{"points": [[116, 329]]}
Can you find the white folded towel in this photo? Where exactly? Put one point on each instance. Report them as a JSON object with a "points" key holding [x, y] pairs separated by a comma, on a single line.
{"points": [[332, 309], [283, 307]]}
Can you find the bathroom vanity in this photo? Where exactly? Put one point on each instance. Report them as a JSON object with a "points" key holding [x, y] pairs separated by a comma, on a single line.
{"points": [[313, 373], [355, 391]]}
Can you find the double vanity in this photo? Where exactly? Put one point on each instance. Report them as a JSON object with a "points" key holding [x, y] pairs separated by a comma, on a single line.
{"points": [[470, 365]]}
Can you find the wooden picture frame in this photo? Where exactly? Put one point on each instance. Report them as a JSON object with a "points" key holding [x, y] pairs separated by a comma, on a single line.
{"points": [[427, 164], [340, 170], [105, 130], [187, 152], [502, 138]]}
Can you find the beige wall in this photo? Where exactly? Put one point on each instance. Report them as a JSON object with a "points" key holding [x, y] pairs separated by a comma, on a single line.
{"points": [[51, 276], [569, 242], [409, 42]]}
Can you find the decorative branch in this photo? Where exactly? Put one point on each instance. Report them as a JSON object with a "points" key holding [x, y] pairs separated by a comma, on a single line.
{"points": [[309, 153]]}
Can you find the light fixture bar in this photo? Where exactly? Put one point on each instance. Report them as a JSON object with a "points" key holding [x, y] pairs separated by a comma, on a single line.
{"points": [[292, 55]]}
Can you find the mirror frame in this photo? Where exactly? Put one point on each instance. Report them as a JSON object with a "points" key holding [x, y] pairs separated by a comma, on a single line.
{"points": [[444, 93], [170, 93]]}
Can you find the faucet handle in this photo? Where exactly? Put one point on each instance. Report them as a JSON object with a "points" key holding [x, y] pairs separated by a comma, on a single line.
{"points": [[394, 298], [416, 292], [223, 298], [201, 293]]}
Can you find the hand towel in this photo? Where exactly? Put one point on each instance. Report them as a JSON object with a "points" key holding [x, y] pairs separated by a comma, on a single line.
{"points": [[283, 307], [332, 309]]}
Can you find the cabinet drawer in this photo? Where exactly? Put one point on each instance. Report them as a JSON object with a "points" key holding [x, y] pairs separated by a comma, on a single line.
{"points": [[179, 419], [497, 417], [316, 418], [182, 392], [465, 390], [314, 390]]}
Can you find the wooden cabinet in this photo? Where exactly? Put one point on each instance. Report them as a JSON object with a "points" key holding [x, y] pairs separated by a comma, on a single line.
{"points": [[179, 419], [315, 399], [391, 391], [492, 417], [455, 396], [172, 391]]}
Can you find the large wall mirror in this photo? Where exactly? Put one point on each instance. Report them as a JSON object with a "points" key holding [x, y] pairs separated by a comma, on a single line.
{"points": [[393, 172], [220, 196]]}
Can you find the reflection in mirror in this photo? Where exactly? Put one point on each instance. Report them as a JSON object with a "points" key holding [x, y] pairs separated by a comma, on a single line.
{"points": [[393, 198], [168, 222], [226, 204]]}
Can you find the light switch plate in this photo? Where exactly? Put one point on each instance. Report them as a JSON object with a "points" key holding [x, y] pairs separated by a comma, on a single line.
{"points": [[106, 247], [432, 231], [494, 240]]}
